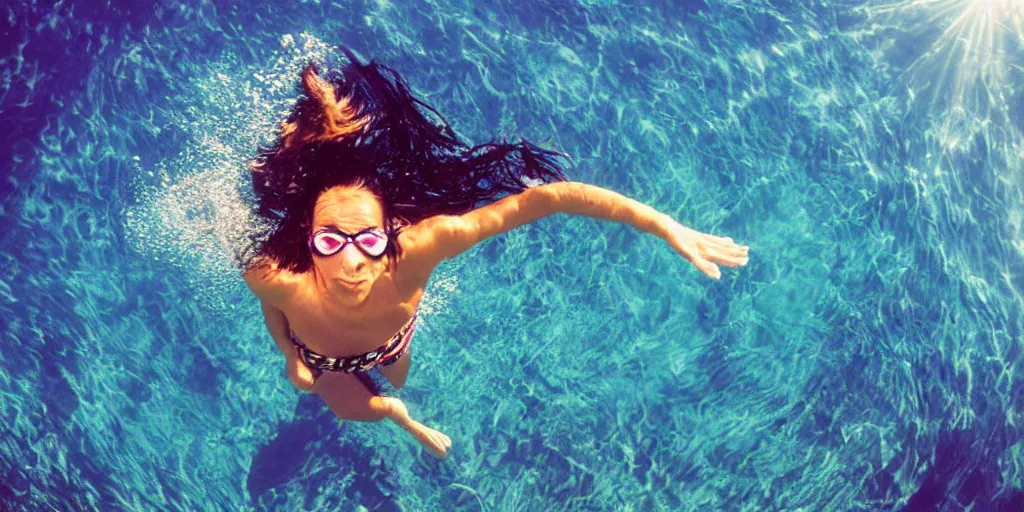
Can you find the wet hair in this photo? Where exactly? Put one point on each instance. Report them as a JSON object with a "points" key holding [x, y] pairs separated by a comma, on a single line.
{"points": [[361, 126]]}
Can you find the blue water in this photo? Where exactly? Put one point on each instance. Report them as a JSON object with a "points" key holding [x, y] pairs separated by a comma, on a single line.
{"points": [[869, 357]]}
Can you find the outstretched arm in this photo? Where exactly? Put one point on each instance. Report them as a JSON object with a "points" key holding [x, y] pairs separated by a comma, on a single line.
{"points": [[703, 250], [446, 236]]}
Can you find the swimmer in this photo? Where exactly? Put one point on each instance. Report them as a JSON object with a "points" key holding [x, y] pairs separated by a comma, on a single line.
{"points": [[362, 197]]}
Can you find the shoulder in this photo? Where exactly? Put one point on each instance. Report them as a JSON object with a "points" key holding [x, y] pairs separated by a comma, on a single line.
{"points": [[268, 281], [421, 240], [423, 232], [421, 243]]}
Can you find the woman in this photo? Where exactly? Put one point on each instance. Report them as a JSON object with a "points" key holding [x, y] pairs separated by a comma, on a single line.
{"points": [[362, 197]]}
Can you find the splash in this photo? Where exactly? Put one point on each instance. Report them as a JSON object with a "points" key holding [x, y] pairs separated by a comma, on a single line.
{"points": [[195, 210]]}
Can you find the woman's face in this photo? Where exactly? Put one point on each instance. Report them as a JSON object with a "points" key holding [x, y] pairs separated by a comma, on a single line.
{"points": [[349, 274]]}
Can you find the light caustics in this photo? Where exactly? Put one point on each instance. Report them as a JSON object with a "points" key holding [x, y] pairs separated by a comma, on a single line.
{"points": [[972, 68]]}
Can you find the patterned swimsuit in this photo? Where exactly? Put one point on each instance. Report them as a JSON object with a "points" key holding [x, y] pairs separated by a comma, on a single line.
{"points": [[385, 355]]}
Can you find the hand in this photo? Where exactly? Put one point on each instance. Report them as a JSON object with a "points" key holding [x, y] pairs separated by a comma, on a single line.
{"points": [[299, 374], [705, 250]]}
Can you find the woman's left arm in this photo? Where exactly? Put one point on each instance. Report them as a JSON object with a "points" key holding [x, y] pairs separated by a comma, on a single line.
{"points": [[705, 251], [446, 236]]}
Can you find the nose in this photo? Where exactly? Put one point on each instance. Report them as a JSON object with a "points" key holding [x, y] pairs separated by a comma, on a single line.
{"points": [[353, 262]]}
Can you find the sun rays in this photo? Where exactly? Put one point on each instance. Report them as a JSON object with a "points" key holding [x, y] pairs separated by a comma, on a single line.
{"points": [[968, 61]]}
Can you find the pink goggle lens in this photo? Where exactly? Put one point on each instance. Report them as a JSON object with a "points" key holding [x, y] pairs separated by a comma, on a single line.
{"points": [[371, 243], [327, 243]]}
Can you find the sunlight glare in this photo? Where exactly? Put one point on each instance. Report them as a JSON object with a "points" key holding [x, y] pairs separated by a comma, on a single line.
{"points": [[972, 68]]}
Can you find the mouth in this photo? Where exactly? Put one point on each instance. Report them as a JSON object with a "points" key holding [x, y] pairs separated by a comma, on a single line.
{"points": [[352, 283]]}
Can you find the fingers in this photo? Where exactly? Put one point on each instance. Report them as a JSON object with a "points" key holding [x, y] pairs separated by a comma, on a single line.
{"points": [[300, 375], [706, 251], [715, 272], [297, 384], [733, 258], [307, 377], [731, 254], [707, 267], [302, 384], [727, 245], [730, 260]]}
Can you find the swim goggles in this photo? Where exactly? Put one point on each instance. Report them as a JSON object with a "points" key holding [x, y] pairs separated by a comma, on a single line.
{"points": [[330, 241]]}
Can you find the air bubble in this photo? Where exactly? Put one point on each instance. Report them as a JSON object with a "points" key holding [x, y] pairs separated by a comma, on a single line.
{"points": [[191, 213]]}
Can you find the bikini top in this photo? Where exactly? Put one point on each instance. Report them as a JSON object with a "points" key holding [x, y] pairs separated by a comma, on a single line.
{"points": [[384, 354]]}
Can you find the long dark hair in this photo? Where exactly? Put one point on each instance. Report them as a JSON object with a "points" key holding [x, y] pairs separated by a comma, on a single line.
{"points": [[362, 126]]}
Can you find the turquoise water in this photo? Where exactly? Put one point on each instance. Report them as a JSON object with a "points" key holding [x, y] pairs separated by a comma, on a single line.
{"points": [[869, 357]]}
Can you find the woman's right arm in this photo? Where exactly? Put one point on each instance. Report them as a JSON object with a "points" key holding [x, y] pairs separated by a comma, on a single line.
{"points": [[277, 323], [263, 282], [298, 373]]}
